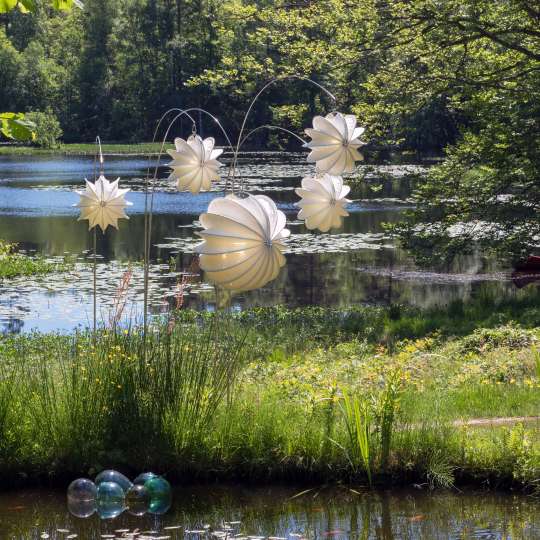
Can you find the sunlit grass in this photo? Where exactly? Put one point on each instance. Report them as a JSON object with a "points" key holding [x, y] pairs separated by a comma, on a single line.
{"points": [[88, 149]]}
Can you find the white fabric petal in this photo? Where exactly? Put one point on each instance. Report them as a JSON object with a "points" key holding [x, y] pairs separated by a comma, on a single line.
{"points": [[194, 163], [333, 144], [322, 202], [242, 241], [102, 203]]}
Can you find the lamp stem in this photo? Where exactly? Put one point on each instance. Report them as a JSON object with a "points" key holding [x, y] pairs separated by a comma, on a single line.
{"points": [[95, 284]]}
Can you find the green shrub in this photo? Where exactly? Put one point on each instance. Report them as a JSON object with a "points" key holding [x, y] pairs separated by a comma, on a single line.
{"points": [[485, 339], [48, 130]]}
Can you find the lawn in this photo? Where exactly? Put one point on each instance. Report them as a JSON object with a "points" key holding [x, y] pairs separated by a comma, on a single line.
{"points": [[83, 149]]}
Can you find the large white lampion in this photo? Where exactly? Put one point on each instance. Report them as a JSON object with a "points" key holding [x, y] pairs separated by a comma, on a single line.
{"points": [[243, 241], [334, 143], [195, 165], [102, 203], [322, 202]]}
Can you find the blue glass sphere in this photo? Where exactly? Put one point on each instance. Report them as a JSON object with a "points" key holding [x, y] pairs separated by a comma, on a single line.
{"points": [[144, 477], [137, 500], [81, 497], [160, 495], [114, 476], [111, 500]]}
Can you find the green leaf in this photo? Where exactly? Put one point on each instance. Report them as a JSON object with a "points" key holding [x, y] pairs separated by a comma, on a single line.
{"points": [[15, 126], [27, 6], [7, 5], [62, 4]]}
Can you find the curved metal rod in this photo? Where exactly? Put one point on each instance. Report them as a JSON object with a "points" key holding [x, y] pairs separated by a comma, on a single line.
{"points": [[269, 126], [191, 109], [146, 235], [94, 261], [148, 211], [229, 178], [254, 100], [101, 160]]}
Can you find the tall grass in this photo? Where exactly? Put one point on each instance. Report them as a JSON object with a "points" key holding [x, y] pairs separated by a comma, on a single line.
{"points": [[357, 416], [104, 399]]}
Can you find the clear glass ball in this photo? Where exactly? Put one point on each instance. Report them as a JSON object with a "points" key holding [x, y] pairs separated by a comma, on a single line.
{"points": [[111, 500], [137, 500], [114, 476], [81, 497], [160, 495]]}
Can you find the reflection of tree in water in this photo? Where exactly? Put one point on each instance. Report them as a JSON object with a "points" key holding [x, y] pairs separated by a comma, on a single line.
{"points": [[318, 514], [12, 326]]}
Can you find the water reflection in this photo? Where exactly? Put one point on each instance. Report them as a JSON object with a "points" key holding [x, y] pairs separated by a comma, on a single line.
{"points": [[357, 264], [339, 514]]}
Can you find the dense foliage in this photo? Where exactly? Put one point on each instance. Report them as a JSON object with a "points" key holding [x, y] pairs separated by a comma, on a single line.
{"points": [[423, 75]]}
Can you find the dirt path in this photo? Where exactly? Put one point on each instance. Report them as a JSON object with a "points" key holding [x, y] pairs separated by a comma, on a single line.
{"points": [[500, 421]]}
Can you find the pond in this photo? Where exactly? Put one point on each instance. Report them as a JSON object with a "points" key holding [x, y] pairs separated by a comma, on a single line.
{"points": [[279, 513], [359, 263]]}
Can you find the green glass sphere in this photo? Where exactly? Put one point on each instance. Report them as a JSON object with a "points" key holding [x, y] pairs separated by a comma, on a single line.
{"points": [[160, 495]]}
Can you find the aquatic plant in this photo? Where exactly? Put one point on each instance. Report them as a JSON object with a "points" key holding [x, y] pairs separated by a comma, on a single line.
{"points": [[14, 263], [117, 394]]}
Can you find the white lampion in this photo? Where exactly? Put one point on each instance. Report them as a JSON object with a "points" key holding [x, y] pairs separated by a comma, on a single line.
{"points": [[322, 202], [195, 165], [243, 241], [102, 203], [334, 143]]}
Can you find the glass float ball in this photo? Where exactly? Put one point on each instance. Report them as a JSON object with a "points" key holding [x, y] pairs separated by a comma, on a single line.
{"points": [[160, 495], [137, 500], [81, 497], [114, 476], [144, 477], [111, 500]]}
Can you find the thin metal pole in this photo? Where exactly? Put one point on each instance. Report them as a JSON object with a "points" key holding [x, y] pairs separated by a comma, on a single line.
{"points": [[95, 284], [149, 196]]}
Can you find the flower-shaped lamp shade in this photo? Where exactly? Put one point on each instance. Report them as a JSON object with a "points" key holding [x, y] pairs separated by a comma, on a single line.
{"points": [[195, 165], [334, 143], [102, 203], [243, 241], [322, 203]]}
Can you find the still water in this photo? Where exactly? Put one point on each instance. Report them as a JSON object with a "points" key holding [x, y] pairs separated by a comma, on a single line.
{"points": [[276, 512], [358, 263]]}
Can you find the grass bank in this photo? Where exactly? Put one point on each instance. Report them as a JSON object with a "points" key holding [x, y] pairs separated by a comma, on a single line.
{"points": [[87, 149], [366, 395], [13, 263]]}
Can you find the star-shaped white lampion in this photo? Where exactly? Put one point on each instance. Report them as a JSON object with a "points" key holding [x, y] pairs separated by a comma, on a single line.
{"points": [[322, 202], [243, 241], [334, 143], [195, 165], [102, 203]]}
